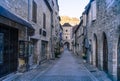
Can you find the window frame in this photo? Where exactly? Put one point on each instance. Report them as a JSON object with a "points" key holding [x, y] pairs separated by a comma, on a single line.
{"points": [[44, 20], [34, 12]]}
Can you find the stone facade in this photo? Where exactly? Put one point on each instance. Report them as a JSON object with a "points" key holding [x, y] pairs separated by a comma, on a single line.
{"points": [[41, 37], [61, 38], [67, 35], [14, 20], [46, 28], [55, 27], [43, 17], [73, 39], [102, 25], [79, 36]]}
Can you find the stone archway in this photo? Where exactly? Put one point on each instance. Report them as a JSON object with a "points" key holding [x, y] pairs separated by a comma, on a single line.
{"points": [[118, 60], [95, 49], [105, 53], [67, 45]]}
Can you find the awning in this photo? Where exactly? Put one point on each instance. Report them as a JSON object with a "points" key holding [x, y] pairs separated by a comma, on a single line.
{"points": [[5, 13], [35, 37]]}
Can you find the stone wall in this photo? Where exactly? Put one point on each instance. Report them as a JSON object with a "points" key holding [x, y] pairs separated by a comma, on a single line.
{"points": [[23, 9], [19, 8], [107, 22]]}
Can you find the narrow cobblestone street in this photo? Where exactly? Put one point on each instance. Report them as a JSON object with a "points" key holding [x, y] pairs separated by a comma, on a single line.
{"points": [[66, 69], [50, 40]]}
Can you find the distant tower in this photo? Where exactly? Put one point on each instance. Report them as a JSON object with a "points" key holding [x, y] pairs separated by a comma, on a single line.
{"points": [[67, 35]]}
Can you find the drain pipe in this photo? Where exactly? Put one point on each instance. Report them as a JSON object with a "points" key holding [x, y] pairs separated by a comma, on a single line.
{"points": [[27, 38]]}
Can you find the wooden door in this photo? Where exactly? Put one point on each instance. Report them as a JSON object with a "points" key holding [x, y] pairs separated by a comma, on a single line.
{"points": [[10, 52]]}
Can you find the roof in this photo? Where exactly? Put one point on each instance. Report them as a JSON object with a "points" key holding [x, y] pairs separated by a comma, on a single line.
{"points": [[78, 25], [87, 8], [61, 27], [5, 13], [66, 24], [48, 5], [74, 28]]}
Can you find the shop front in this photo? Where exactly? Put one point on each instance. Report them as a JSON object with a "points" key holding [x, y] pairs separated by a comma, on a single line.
{"points": [[8, 49], [12, 30]]}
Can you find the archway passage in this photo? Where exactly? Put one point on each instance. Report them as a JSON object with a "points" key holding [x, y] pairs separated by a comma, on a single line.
{"points": [[118, 60], [66, 45], [105, 53], [95, 50]]}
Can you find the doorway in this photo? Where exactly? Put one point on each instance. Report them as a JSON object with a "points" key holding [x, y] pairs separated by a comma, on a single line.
{"points": [[95, 50], [118, 60], [66, 45], [8, 50], [105, 53], [44, 47]]}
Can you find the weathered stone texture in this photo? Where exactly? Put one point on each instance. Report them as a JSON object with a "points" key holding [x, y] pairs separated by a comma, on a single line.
{"points": [[18, 7], [107, 21]]}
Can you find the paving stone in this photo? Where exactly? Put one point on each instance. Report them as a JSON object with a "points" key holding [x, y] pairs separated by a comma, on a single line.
{"points": [[64, 78], [66, 69]]}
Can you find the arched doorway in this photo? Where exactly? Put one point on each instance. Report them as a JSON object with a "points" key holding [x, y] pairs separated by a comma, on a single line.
{"points": [[95, 49], [66, 45], [118, 60], [105, 53]]}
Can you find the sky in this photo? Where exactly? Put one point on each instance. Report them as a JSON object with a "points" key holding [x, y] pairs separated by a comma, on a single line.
{"points": [[72, 8]]}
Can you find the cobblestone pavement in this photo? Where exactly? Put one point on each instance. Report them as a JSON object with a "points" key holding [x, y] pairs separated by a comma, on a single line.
{"points": [[66, 69], [99, 74], [30, 75]]}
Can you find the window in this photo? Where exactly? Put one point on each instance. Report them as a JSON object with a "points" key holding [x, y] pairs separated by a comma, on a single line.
{"points": [[94, 11], [40, 31], [66, 37], [44, 21], [44, 33], [23, 49], [1, 47], [34, 12], [84, 19]]}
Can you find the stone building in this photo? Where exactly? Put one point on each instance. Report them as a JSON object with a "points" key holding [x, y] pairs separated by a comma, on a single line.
{"points": [[61, 38], [73, 39], [102, 26], [67, 35], [26, 28], [15, 29], [55, 26], [79, 36], [41, 15]]}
